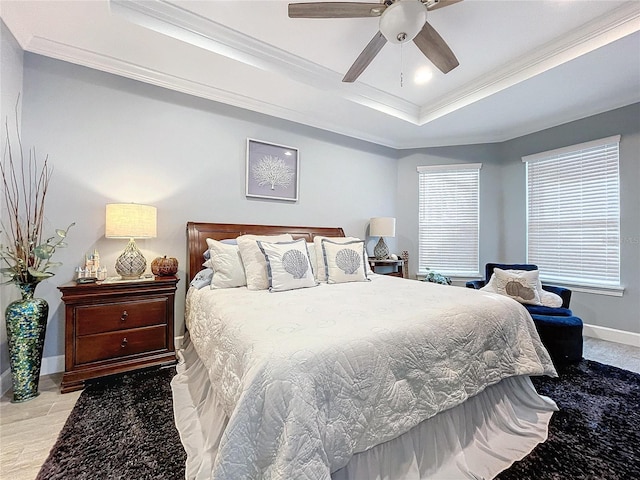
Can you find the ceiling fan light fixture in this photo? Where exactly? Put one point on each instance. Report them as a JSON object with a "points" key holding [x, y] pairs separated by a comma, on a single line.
{"points": [[403, 20]]}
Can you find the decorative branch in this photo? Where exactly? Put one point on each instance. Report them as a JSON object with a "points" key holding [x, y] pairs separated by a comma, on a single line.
{"points": [[25, 188]]}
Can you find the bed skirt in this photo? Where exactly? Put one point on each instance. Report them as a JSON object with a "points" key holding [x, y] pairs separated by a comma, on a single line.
{"points": [[477, 439]]}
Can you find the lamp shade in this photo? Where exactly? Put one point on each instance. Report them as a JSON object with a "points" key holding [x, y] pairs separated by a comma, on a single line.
{"points": [[130, 220], [382, 227]]}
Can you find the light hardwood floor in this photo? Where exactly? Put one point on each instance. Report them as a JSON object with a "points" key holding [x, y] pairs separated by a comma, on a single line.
{"points": [[29, 430]]}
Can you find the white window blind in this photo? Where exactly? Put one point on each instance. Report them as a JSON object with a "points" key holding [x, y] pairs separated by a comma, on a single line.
{"points": [[573, 213], [449, 219]]}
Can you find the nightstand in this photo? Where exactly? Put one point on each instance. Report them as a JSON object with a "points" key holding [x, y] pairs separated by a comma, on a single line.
{"points": [[395, 268], [116, 327]]}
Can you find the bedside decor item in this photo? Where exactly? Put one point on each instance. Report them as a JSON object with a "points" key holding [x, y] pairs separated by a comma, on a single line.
{"points": [[164, 267], [272, 171], [91, 269], [26, 260], [130, 220], [435, 277], [382, 227], [85, 280]]}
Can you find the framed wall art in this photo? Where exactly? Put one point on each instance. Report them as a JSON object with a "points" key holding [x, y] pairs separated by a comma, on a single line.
{"points": [[272, 171]]}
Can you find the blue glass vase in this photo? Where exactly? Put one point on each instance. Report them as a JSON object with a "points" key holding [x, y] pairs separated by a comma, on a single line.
{"points": [[26, 321]]}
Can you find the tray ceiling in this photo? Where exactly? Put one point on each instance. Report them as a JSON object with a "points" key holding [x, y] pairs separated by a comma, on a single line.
{"points": [[524, 65]]}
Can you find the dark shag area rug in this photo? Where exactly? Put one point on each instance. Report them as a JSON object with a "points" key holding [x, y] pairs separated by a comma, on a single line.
{"points": [[122, 428], [596, 433]]}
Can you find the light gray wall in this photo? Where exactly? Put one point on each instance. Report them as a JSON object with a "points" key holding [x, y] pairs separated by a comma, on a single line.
{"points": [[116, 140], [621, 313], [11, 61], [491, 201]]}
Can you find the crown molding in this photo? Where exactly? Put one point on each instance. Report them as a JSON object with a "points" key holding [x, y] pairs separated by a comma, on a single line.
{"points": [[97, 61], [606, 29], [621, 22], [86, 58], [172, 20]]}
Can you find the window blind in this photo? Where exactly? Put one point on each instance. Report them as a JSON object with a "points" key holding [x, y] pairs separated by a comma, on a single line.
{"points": [[573, 213], [449, 219]]}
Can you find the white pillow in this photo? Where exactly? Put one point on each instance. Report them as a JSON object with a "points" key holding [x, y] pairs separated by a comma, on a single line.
{"points": [[521, 285], [320, 271], [255, 265], [288, 265], [550, 299], [344, 262], [547, 299], [226, 263]]}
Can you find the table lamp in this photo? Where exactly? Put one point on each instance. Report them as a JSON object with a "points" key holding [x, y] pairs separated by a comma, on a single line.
{"points": [[382, 227], [130, 220]]}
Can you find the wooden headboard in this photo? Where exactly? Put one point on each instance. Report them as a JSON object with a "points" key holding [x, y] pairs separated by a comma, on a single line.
{"points": [[197, 234]]}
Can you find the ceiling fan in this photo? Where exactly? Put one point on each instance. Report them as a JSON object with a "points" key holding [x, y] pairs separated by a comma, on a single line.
{"points": [[400, 21]]}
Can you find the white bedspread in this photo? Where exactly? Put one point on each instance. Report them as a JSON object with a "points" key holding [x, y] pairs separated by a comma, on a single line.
{"points": [[309, 377]]}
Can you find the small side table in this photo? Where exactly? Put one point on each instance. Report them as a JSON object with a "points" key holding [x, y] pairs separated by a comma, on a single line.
{"points": [[394, 268], [116, 327]]}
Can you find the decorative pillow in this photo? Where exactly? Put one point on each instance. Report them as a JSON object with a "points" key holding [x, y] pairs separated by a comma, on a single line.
{"points": [[288, 265], [550, 299], [320, 271], [226, 263], [255, 265], [202, 278], [207, 253], [523, 286], [344, 262], [311, 248]]}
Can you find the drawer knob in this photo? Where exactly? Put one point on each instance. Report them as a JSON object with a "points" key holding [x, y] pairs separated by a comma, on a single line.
{"points": [[124, 316], [124, 342]]}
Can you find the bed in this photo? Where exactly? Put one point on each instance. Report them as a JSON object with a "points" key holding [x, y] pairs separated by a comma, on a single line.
{"points": [[387, 378]]}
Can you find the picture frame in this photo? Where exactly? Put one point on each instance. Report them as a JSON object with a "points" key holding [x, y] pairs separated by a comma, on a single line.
{"points": [[272, 171]]}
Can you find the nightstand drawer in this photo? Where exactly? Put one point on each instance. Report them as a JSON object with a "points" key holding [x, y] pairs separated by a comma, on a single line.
{"points": [[93, 319], [102, 346]]}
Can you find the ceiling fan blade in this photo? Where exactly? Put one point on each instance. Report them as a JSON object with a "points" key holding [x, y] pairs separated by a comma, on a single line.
{"points": [[436, 49], [442, 4], [335, 10], [365, 58]]}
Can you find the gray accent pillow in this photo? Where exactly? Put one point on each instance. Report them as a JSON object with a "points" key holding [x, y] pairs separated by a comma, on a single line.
{"points": [[202, 278]]}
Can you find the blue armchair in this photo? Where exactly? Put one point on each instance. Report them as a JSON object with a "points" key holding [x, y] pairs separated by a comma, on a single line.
{"points": [[564, 293]]}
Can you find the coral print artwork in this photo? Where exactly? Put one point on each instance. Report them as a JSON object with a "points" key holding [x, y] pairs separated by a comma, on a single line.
{"points": [[272, 171]]}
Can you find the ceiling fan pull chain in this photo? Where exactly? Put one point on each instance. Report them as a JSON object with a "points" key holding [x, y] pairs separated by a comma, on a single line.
{"points": [[401, 66]]}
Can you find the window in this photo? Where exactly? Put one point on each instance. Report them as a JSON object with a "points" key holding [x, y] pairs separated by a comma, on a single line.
{"points": [[573, 213], [449, 219]]}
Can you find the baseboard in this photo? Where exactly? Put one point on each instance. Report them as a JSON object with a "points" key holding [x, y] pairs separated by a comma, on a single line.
{"points": [[5, 381], [52, 365], [612, 335], [177, 342]]}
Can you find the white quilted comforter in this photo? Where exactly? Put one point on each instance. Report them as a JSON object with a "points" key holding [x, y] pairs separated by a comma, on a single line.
{"points": [[309, 377]]}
